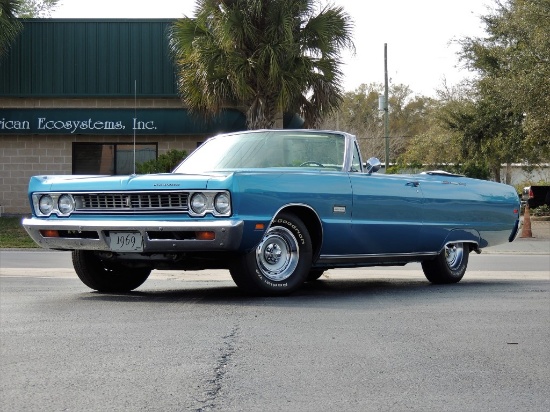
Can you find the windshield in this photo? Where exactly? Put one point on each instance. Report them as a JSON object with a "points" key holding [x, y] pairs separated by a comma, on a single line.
{"points": [[264, 149]]}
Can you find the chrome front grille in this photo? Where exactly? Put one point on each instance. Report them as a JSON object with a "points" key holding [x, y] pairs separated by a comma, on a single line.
{"points": [[132, 202]]}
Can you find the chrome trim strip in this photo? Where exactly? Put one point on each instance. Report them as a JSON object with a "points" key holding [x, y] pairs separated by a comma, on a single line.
{"points": [[135, 202], [292, 205], [459, 241], [389, 256], [364, 260], [228, 234], [384, 256], [300, 205]]}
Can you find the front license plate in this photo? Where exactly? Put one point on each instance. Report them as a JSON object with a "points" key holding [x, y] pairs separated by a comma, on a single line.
{"points": [[126, 242]]}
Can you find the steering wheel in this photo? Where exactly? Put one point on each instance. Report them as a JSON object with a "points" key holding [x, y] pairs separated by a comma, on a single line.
{"points": [[311, 163]]}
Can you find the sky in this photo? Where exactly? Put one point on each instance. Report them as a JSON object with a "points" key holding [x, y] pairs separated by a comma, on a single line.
{"points": [[420, 35]]}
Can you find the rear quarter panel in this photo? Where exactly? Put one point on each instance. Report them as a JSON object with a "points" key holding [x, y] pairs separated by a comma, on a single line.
{"points": [[462, 209]]}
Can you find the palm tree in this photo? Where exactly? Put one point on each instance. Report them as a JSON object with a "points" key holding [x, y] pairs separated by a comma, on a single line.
{"points": [[9, 24], [270, 56]]}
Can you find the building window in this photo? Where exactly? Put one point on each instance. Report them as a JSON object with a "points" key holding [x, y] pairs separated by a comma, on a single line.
{"points": [[110, 158]]}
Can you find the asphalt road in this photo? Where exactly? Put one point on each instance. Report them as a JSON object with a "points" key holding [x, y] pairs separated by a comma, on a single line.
{"points": [[380, 339]]}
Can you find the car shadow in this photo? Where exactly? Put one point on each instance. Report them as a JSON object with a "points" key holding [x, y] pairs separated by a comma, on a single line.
{"points": [[320, 292]]}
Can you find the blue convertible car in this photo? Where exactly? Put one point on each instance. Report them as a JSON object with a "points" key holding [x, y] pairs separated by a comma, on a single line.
{"points": [[276, 208]]}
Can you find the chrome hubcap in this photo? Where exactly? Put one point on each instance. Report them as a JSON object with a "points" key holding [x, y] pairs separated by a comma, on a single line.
{"points": [[454, 253], [277, 254], [273, 253]]}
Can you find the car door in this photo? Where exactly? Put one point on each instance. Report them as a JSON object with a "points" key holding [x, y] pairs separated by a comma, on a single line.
{"points": [[386, 215]]}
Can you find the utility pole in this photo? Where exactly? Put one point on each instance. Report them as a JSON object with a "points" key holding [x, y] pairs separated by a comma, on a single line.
{"points": [[386, 110]]}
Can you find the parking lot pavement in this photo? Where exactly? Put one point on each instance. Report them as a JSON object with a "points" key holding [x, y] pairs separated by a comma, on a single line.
{"points": [[540, 229]]}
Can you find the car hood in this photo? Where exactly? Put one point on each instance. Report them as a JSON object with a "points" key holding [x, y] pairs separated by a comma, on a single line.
{"points": [[161, 181]]}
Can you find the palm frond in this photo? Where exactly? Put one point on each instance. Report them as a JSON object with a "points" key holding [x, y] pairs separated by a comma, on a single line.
{"points": [[270, 56], [10, 26]]}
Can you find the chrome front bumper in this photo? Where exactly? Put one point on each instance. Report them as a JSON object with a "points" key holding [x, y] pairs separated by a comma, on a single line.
{"points": [[158, 236]]}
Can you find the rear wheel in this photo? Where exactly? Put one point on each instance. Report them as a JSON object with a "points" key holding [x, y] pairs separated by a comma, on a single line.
{"points": [[281, 261], [449, 266], [98, 275]]}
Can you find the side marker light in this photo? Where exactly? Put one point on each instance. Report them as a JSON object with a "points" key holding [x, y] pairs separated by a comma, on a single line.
{"points": [[49, 233], [205, 235]]}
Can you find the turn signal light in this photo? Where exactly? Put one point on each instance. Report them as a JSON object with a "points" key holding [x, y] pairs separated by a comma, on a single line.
{"points": [[205, 235], [49, 233]]}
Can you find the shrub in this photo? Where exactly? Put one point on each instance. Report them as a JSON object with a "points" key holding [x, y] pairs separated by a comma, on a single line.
{"points": [[543, 210], [165, 163]]}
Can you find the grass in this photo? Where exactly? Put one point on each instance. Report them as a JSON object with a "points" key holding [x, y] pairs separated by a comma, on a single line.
{"points": [[13, 235]]}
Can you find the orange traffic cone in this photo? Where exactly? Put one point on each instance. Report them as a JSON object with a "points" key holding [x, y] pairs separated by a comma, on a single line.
{"points": [[526, 229]]}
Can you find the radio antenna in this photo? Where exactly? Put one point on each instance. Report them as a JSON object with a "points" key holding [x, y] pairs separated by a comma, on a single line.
{"points": [[135, 120]]}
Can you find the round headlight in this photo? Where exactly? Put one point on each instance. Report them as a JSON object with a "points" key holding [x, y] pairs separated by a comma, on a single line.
{"points": [[45, 204], [221, 203], [198, 203], [65, 204]]}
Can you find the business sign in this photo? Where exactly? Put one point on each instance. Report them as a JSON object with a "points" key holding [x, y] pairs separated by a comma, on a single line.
{"points": [[117, 122]]}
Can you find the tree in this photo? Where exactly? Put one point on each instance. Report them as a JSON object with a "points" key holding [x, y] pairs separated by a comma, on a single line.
{"points": [[270, 56], [359, 115], [13, 10], [513, 63], [9, 24], [37, 8], [502, 116]]}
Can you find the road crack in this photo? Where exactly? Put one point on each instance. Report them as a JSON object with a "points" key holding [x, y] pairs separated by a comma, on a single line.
{"points": [[215, 385]]}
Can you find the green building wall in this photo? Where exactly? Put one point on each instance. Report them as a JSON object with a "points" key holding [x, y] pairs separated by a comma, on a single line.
{"points": [[89, 57]]}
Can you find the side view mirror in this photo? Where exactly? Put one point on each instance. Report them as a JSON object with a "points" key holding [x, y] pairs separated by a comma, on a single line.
{"points": [[373, 165]]}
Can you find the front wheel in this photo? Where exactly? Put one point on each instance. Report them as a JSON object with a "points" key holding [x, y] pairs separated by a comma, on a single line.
{"points": [[280, 263], [314, 274], [449, 266], [98, 275]]}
